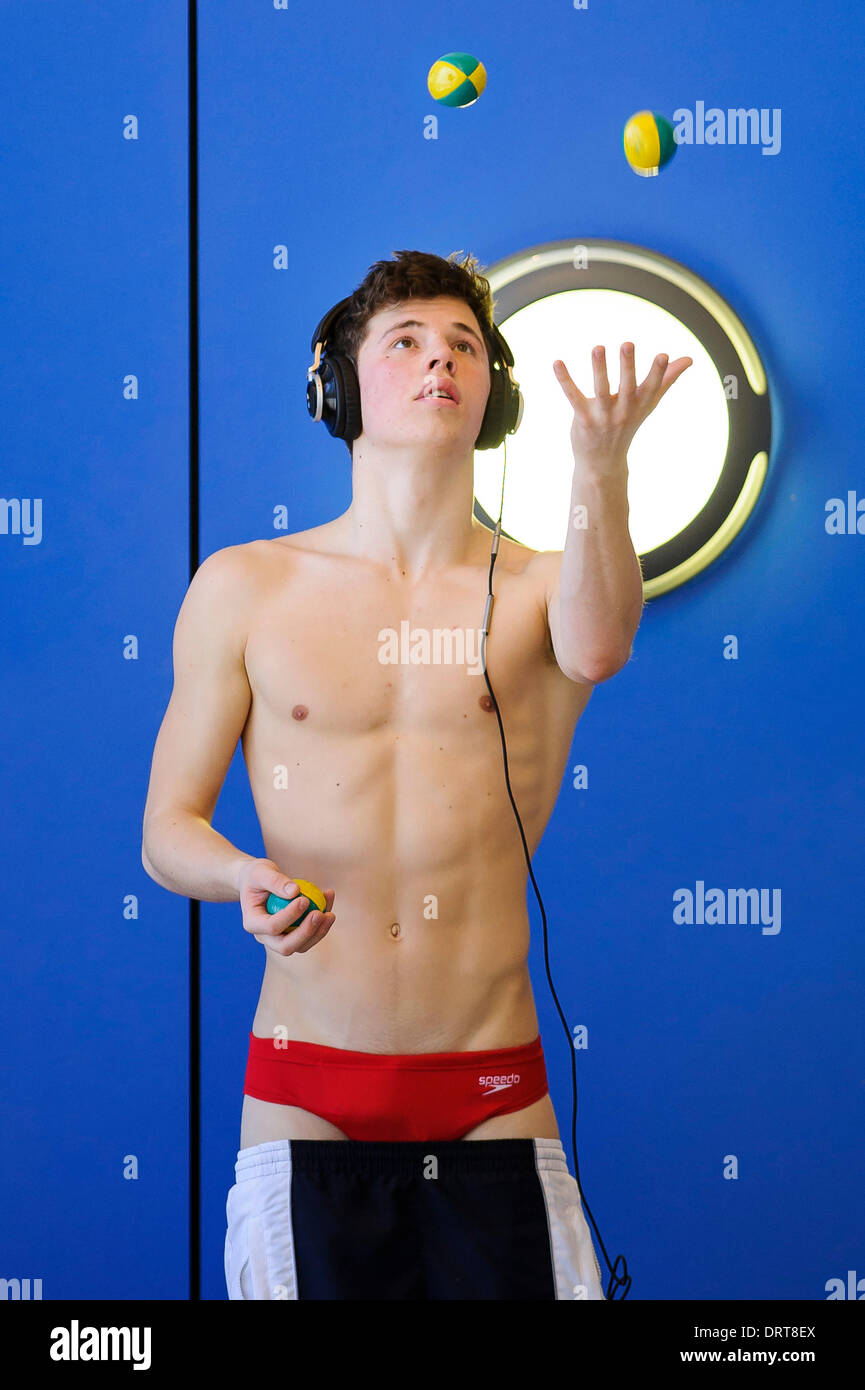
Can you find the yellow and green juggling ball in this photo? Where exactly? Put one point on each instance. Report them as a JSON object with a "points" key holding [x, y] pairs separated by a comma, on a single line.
{"points": [[456, 79], [304, 889], [649, 142]]}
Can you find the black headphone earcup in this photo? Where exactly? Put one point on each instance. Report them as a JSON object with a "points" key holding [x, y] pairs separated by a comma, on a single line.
{"points": [[494, 425], [492, 414], [342, 412], [353, 412]]}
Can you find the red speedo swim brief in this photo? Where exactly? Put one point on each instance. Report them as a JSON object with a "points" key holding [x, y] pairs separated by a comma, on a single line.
{"points": [[414, 1096]]}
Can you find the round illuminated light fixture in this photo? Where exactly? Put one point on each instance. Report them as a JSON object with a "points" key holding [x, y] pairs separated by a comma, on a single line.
{"points": [[696, 465]]}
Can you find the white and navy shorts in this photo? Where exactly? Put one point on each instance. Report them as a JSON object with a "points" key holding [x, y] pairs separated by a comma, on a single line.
{"points": [[477, 1219]]}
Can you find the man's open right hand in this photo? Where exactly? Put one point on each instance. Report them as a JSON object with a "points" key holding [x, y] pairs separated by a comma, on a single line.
{"points": [[257, 879]]}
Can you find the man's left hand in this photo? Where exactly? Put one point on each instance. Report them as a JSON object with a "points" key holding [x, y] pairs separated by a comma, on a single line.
{"points": [[604, 425]]}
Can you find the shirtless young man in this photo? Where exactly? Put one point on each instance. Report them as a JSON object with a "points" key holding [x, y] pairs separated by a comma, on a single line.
{"points": [[384, 783]]}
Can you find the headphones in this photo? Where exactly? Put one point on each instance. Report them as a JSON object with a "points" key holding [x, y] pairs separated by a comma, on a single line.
{"points": [[333, 396], [333, 392]]}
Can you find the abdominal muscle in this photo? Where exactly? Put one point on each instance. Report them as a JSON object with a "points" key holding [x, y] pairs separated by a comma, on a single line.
{"points": [[389, 980]]}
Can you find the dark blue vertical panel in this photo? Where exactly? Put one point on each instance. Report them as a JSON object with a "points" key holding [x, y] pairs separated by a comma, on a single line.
{"points": [[93, 418]]}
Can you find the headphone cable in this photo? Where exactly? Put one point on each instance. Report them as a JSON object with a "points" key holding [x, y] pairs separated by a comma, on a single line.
{"points": [[617, 1279]]}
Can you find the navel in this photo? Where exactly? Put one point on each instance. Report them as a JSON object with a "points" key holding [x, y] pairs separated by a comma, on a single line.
{"points": [[299, 712]]}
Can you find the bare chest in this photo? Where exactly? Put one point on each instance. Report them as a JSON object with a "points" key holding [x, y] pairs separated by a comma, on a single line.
{"points": [[337, 647]]}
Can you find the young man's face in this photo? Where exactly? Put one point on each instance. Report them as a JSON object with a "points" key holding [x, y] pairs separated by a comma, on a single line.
{"points": [[399, 362]]}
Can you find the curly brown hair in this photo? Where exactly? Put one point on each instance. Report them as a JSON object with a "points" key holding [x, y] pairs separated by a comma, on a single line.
{"points": [[418, 275], [413, 274]]}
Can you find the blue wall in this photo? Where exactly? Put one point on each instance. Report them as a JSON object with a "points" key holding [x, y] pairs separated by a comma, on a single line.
{"points": [[704, 1041]]}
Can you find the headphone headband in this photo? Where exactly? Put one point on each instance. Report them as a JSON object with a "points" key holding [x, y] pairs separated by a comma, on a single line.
{"points": [[322, 332]]}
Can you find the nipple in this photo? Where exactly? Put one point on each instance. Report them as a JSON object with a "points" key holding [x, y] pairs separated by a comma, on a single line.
{"points": [[299, 712], [485, 702]]}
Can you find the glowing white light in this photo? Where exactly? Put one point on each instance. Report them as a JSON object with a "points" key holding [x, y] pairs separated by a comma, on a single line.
{"points": [[677, 455]]}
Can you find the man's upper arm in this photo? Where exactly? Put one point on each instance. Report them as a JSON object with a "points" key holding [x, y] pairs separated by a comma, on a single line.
{"points": [[546, 566], [211, 697]]}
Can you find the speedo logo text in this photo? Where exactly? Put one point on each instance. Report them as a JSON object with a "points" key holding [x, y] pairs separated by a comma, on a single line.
{"points": [[498, 1083]]}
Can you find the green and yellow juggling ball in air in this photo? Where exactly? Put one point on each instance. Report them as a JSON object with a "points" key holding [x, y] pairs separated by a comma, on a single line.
{"points": [[456, 79], [649, 143]]}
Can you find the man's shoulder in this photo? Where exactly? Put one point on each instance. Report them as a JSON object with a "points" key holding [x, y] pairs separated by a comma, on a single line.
{"points": [[539, 569], [530, 562], [300, 540], [252, 554], [546, 562]]}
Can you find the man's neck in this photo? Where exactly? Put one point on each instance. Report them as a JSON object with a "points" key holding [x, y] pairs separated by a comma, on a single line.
{"points": [[411, 514]]}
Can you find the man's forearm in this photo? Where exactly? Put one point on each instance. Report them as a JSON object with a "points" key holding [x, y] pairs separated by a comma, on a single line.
{"points": [[600, 582], [184, 854]]}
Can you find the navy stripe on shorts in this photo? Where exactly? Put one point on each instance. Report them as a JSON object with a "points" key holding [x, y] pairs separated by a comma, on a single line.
{"points": [[460, 1219]]}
